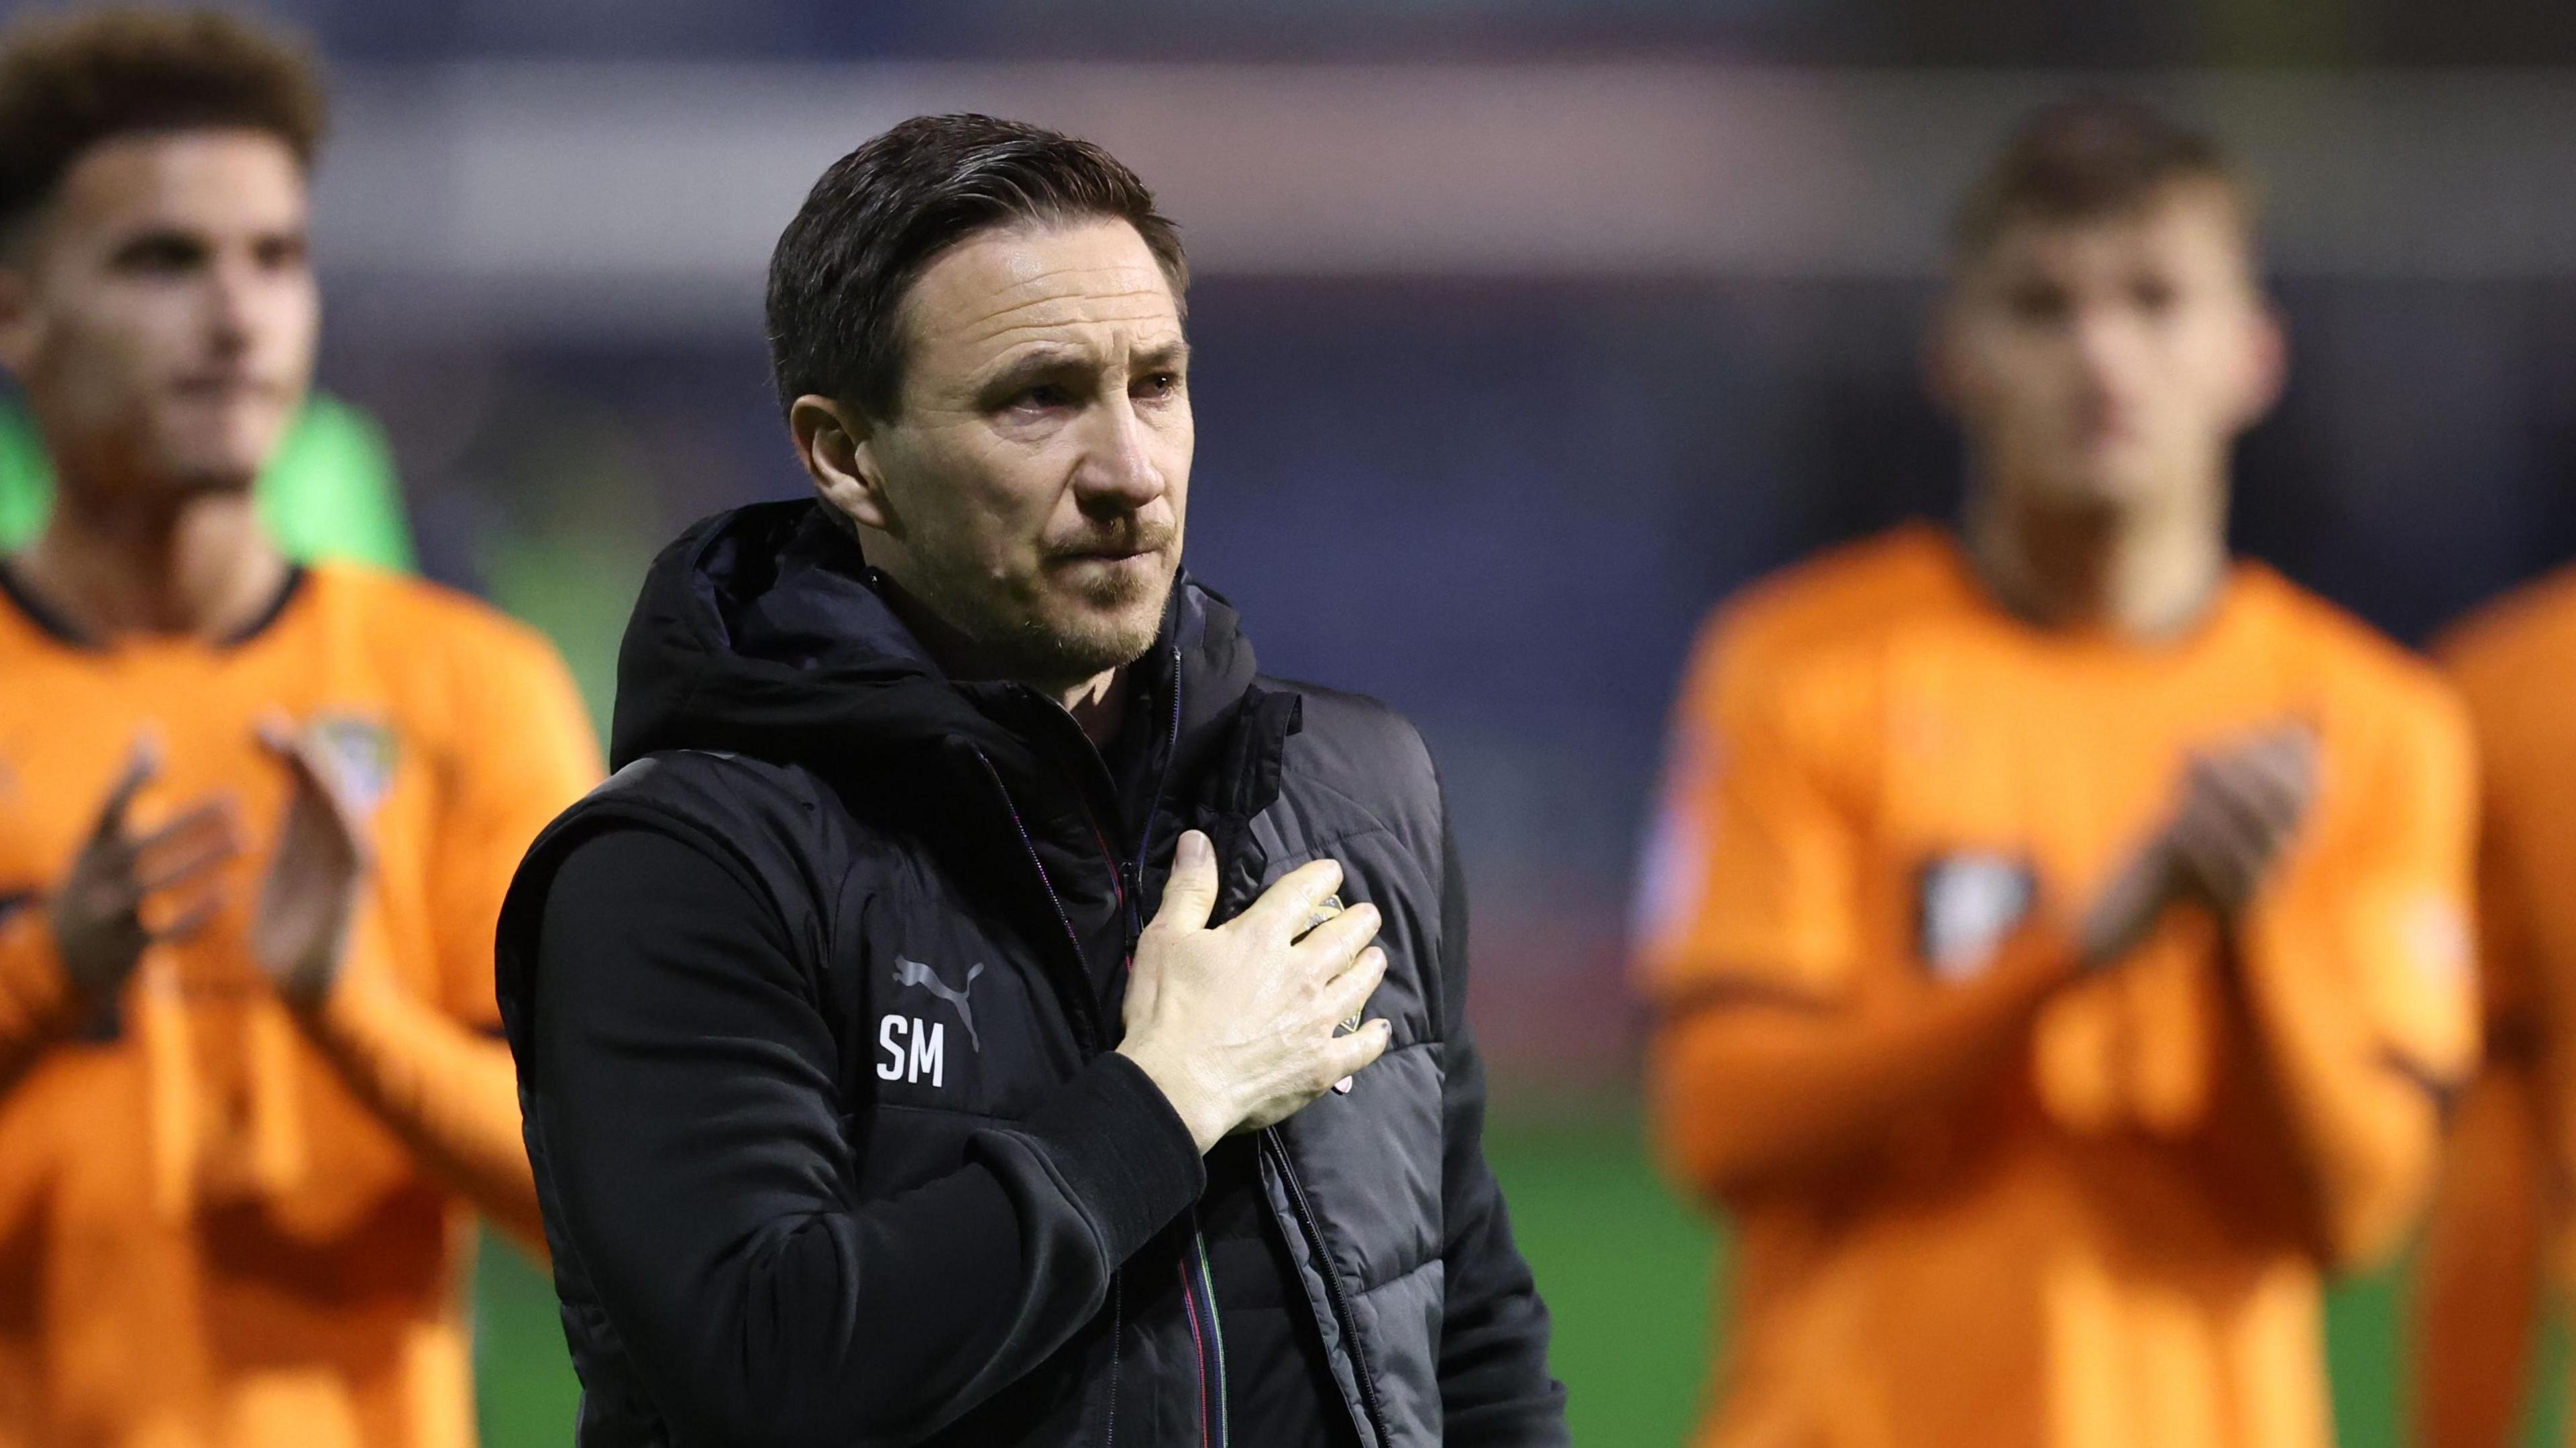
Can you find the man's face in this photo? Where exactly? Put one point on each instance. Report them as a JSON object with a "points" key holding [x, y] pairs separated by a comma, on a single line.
{"points": [[161, 314], [2111, 361], [1036, 476]]}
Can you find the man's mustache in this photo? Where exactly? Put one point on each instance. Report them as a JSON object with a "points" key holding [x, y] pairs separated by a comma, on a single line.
{"points": [[1143, 538]]}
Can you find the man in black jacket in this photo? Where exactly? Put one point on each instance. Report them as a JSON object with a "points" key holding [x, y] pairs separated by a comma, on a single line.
{"points": [[886, 1079]]}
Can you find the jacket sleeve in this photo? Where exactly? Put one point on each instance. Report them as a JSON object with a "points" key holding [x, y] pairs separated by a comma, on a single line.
{"points": [[689, 1133], [1495, 1387]]}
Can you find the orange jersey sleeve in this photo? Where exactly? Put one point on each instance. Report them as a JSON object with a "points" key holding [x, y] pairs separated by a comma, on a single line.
{"points": [[1750, 877], [517, 749], [2503, 663], [2357, 965], [2510, 1001], [2486, 1245], [523, 751], [2477, 1291]]}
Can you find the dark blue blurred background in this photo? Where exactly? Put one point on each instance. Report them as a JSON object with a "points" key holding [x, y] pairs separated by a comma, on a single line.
{"points": [[1502, 505]]}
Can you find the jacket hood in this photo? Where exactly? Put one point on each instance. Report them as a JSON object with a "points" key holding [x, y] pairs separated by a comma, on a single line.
{"points": [[763, 631]]}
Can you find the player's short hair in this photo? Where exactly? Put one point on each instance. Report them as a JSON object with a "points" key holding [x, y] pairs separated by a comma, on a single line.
{"points": [[69, 82], [2090, 159], [884, 212]]}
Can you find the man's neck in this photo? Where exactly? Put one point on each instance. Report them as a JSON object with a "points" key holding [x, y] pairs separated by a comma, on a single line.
{"points": [[1098, 704], [2145, 573], [199, 566]]}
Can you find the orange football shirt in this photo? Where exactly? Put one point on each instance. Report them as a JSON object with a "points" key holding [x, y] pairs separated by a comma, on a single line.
{"points": [[2509, 662], [1878, 779], [207, 1236]]}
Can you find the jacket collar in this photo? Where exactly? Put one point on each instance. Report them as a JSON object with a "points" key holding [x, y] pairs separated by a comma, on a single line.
{"points": [[764, 631]]}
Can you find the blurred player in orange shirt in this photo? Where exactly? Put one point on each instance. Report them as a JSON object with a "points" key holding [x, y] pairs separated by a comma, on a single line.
{"points": [[2499, 1228], [2057, 930], [255, 819]]}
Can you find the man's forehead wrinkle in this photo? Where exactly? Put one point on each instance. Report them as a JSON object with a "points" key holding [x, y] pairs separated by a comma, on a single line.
{"points": [[1050, 318], [997, 301], [1144, 331]]}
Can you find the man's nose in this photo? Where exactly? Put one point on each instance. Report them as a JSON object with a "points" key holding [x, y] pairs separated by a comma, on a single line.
{"points": [[1119, 470], [2107, 344], [231, 305]]}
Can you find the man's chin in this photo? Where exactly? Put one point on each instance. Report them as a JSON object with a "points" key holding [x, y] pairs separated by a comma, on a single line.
{"points": [[220, 440], [214, 479], [1094, 635], [1113, 640], [2104, 483], [213, 466]]}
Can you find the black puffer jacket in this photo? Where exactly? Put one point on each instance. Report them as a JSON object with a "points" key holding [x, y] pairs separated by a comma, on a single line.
{"points": [[900, 1190]]}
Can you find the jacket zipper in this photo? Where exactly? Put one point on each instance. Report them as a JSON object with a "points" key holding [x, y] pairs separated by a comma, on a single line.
{"points": [[1198, 1289], [1198, 1283], [1162, 779], [1198, 1292], [1332, 1275], [1131, 895], [1215, 1431], [1131, 872]]}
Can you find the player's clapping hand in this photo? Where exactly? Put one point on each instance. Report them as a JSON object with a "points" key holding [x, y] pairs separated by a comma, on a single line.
{"points": [[300, 934], [126, 891], [2240, 808]]}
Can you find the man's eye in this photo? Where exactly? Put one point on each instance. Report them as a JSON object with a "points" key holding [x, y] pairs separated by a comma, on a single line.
{"points": [[160, 255], [281, 253], [1044, 396], [2037, 305], [1158, 385]]}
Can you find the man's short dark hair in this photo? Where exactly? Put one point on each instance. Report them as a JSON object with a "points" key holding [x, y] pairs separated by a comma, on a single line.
{"points": [[884, 212], [69, 82], [2092, 159]]}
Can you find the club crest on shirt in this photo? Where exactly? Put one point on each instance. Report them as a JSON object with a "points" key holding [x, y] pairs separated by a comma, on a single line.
{"points": [[1966, 903], [362, 753]]}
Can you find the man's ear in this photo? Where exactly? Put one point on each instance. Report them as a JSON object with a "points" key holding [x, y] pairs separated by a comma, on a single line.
{"points": [[2267, 364], [837, 446]]}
